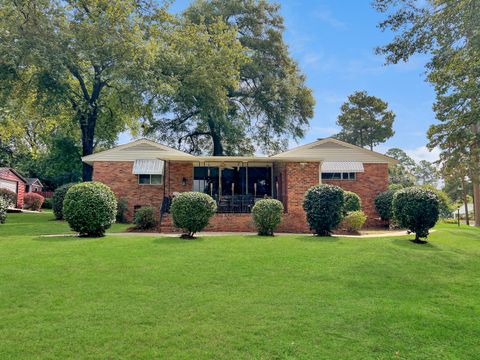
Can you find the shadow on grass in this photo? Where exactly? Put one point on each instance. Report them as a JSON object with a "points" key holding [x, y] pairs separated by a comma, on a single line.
{"points": [[176, 240], [318, 239], [409, 244]]}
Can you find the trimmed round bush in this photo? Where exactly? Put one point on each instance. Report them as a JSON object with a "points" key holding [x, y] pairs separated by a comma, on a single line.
{"points": [[267, 215], [351, 202], [323, 205], [90, 208], [57, 200], [417, 210], [191, 212], [383, 204], [9, 196], [33, 201], [353, 221], [3, 210], [145, 218]]}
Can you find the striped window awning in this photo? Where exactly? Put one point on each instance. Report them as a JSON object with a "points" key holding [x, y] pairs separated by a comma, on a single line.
{"points": [[342, 166], [148, 167]]}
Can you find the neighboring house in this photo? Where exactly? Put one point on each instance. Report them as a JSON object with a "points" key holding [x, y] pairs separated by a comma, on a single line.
{"points": [[13, 181], [33, 185], [149, 174]]}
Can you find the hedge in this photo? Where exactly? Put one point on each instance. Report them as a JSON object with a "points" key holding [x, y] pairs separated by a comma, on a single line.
{"points": [[3, 210], [416, 209], [323, 205], [352, 202], [145, 218], [57, 200], [90, 208], [191, 212], [9, 196], [267, 215], [33, 201]]}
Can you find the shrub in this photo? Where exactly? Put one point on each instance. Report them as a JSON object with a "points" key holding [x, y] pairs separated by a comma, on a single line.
{"points": [[47, 204], [3, 210], [395, 187], [446, 206], [9, 196], [33, 201], [383, 204], [122, 207], [267, 215], [57, 200], [416, 209], [351, 202], [191, 212], [353, 221], [324, 206], [145, 218], [90, 208]]}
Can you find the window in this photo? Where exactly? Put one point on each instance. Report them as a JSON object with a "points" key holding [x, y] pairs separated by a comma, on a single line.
{"points": [[339, 176], [147, 179]]}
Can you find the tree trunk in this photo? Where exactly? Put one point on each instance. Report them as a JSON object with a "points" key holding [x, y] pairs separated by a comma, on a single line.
{"points": [[476, 175], [465, 200], [88, 134], [216, 138]]}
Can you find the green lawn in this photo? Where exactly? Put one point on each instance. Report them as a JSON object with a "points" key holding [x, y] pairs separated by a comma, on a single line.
{"points": [[233, 297]]}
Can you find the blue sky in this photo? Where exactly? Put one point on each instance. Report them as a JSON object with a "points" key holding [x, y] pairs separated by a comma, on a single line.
{"points": [[334, 41]]}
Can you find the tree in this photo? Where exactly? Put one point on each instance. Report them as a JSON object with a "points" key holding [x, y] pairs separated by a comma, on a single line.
{"points": [[449, 31], [401, 173], [91, 57], [426, 173], [365, 120], [268, 105]]}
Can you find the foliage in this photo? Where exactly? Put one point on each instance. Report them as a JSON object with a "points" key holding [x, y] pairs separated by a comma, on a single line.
{"points": [[145, 218], [57, 200], [191, 211], [92, 62], [395, 187], [352, 202], [416, 209], [445, 204], [267, 215], [33, 201], [449, 33], [268, 102], [426, 173], [401, 173], [3, 210], [323, 205], [353, 221], [383, 204], [9, 196], [90, 208], [365, 120], [48, 203], [122, 208]]}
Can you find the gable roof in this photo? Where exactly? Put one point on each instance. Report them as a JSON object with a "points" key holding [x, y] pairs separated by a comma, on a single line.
{"points": [[139, 149], [16, 173], [330, 149], [31, 181]]}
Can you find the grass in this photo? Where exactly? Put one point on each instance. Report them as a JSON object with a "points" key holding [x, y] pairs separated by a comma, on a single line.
{"points": [[289, 297]]}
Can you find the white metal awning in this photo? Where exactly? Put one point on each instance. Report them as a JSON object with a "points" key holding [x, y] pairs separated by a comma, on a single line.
{"points": [[148, 167], [342, 166]]}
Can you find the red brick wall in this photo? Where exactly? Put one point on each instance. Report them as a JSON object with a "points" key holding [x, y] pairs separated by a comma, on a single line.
{"points": [[118, 176], [8, 175], [367, 185]]}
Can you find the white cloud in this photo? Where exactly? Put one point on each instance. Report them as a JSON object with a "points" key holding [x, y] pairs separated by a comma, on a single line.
{"points": [[422, 153]]}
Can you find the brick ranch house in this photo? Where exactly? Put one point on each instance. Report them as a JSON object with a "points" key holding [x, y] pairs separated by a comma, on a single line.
{"points": [[146, 173]]}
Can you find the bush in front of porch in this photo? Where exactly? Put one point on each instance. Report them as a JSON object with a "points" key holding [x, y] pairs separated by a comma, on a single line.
{"points": [[267, 215], [191, 212]]}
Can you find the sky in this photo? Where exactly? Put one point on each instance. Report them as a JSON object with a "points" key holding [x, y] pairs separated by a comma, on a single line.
{"points": [[333, 42]]}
